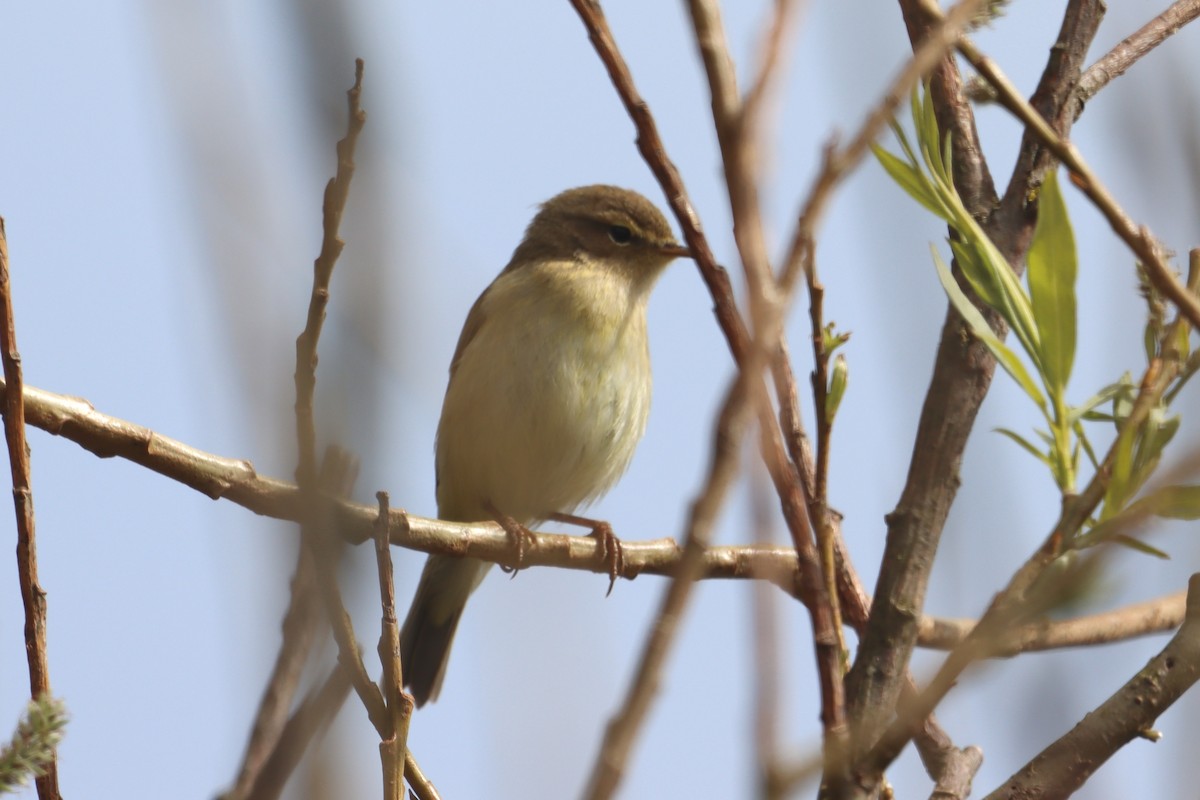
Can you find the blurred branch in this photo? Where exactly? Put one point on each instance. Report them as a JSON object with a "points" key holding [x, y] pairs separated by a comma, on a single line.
{"points": [[1131, 49], [622, 730], [738, 134], [961, 379], [1026, 593], [1064, 766], [1118, 625], [312, 716], [235, 480], [838, 162], [300, 621], [337, 191], [32, 594], [298, 630], [1137, 238]]}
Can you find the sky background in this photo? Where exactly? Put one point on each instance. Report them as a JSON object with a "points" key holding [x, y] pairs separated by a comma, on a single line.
{"points": [[161, 170]]}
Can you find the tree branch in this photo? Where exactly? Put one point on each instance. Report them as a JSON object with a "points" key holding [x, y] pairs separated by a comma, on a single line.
{"points": [[1133, 48], [32, 594], [1064, 766]]}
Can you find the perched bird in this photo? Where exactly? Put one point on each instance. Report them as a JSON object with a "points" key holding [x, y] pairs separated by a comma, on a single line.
{"points": [[549, 392]]}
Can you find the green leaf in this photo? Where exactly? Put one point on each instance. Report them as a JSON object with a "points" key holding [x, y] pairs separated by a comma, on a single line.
{"points": [[970, 314], [1140, 546], [838, 380], [1087, 408], [1174, 502], [1024, 443], [1087, 445], [1052, 269], [1156, 433], [911, 180]]}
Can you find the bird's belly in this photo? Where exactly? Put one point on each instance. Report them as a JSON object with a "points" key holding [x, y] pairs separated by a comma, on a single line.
{"points": [[546, 425]]}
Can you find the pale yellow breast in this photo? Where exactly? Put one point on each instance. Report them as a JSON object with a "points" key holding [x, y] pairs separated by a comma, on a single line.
{"points": [[549, 399]]}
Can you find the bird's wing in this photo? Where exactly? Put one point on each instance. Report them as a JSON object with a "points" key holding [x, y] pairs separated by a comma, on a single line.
{"points": [[475, 320]]}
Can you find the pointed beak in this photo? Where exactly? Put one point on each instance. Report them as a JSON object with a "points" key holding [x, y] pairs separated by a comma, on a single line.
{"points": [[675, 251]]}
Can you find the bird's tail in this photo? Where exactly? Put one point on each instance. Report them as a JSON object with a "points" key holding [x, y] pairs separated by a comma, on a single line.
{"points": [[428, 631]]}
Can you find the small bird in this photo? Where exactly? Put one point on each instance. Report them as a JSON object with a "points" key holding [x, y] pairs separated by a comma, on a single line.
{"points": [[549, 392]]}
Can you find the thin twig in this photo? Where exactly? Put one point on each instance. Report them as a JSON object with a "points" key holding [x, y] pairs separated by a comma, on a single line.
{"points": [[961, 378], [1132, 48], [650, 145], [32, 594], [838, 162], [738, 137], [314, 714], [623, 728], [1137, 238], [298, 623], [392, 748], [235, 480], [1064, 766], [298, 630], [337, 192], [1118, 625], [1025, 594], [338, 473]]}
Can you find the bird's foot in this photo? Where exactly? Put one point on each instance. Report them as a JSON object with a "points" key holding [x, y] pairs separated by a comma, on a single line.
{"points": [[518, 533], [611, 548]]}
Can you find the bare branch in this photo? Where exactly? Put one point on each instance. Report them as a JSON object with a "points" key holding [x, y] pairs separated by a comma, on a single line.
{"points": [[236, 480], [962, 376], [1134, 47], [337, 192], [32, 594], [1141, 619], [1137, 238], [393, 747], [1064, 766], [298, 629], [624, 727]]}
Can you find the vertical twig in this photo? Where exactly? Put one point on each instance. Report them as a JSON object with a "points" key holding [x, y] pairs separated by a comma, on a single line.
{"points": [[300, 621], [32, 594], [622, 730], [399, 705], [298, 629], [337, 191]]}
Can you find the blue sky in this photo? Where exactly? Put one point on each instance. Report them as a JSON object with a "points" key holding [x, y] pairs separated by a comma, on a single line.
{"points": [[161, 170]]}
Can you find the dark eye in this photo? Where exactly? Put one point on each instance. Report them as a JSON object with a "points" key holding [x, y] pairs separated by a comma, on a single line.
{"points": [[620, 234]]}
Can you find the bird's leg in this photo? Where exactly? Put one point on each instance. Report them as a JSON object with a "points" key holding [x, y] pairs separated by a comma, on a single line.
{"points": [[610, 546], [519, 534]]}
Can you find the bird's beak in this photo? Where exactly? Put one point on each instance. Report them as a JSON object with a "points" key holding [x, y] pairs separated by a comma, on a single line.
{"points": [[675, 251]]}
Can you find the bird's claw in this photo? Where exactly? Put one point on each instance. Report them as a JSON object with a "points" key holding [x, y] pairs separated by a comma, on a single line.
{"points": [[611, 550], [520, 537]]}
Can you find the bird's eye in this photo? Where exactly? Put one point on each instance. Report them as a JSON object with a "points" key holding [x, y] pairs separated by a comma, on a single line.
{"points": [[620, 234]]}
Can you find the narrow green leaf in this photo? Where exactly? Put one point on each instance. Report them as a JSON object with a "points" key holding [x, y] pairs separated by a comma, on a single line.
{"points": [[1121, 484], [1157, 432], [1024, 443], [1140, 546], [910, 179], [982, 280], [1051, 273], [1175, 502], [1087, 408], [970, 314], [1087, 445]]}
